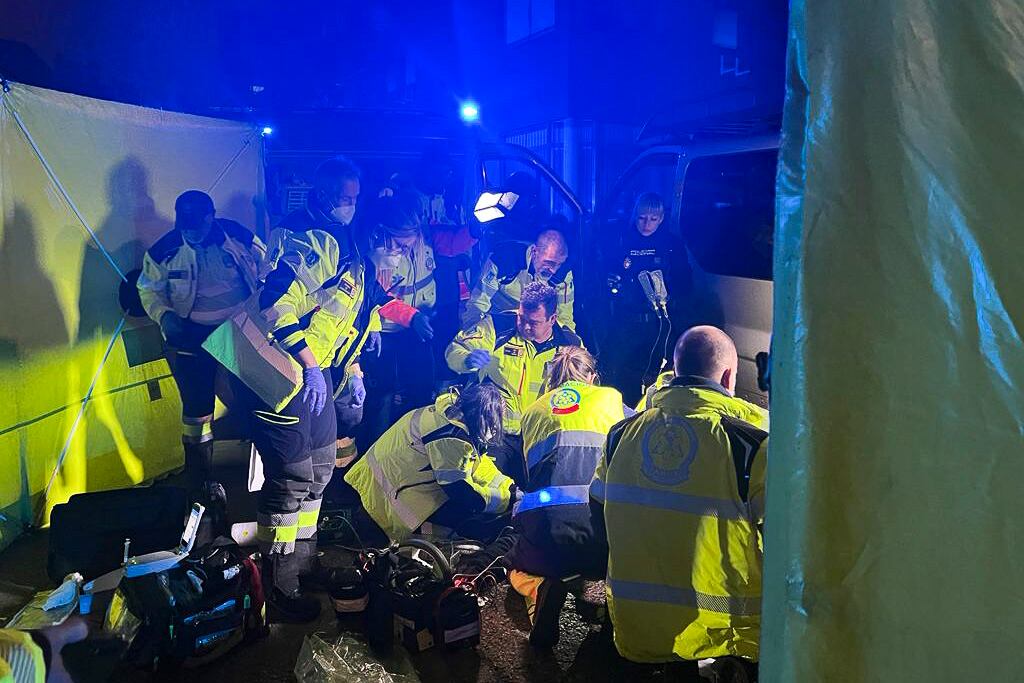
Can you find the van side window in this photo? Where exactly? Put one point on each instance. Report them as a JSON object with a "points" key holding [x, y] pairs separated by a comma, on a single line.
{"points": [[655, 173], [727, 213]]}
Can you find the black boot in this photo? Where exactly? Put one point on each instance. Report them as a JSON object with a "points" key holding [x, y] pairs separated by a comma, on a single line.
{"points": [[285, 602]]}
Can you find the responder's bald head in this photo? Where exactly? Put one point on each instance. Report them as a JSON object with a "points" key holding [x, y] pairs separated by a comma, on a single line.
{"points": [[706, 351]]}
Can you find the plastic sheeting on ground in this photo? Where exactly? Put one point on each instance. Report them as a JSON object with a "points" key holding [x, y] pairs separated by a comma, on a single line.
{"points": [[85, 187], [894, 523]]}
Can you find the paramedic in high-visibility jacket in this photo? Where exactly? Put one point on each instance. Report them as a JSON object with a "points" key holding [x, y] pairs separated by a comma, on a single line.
{"points": [[563, 435], [429, 468], [312, 306], [507, 272], [194, 278], [513, 352], [401, 374], [682, 490]]}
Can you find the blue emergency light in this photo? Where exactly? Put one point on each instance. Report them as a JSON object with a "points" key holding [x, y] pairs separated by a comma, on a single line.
{"points": [[470, 112]]}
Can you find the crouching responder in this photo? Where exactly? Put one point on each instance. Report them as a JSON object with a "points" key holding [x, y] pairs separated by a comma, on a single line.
{"points": [[194, 278], [309, 308], [563, 434], [429, 467], [682, 488], [513, 352]]}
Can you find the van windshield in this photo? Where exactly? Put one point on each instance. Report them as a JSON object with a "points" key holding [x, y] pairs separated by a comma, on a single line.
{"points": [[727, 213]]}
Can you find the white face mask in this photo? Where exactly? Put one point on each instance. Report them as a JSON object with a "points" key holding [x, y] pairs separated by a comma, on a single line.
{"points": [[391, 259], [344, 214]]}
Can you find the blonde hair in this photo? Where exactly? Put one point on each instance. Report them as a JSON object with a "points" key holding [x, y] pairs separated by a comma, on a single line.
{"points": [[572, 364]]}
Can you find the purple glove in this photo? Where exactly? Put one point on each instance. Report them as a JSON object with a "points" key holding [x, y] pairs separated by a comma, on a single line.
{"points": [[373, 344], [314, 393], [357, 390]]}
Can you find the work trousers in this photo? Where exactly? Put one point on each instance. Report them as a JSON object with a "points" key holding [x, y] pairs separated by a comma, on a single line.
{"points": [[194, 371], [633, 351], [297, 449]]}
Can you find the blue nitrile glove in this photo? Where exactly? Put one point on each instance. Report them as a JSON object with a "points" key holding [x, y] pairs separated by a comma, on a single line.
{"points": [[357, 390], [314, 393], [372, 344], [478, 359], [421, 326]]}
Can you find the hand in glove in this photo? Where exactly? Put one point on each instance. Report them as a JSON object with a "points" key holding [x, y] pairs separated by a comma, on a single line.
{"points": [[478, 359], [314, 392], [421, 326], [373, 344], [357, 390]]}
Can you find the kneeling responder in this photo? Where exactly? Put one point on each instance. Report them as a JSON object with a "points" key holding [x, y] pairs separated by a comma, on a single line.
{"points": [[513, 351], [681, 487], [309, 307], [429, 467], [563, 434], [194, 278]]}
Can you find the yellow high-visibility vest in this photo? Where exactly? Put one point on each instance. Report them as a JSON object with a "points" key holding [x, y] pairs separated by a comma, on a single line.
{"points": [[682, 485], [400, 478]]}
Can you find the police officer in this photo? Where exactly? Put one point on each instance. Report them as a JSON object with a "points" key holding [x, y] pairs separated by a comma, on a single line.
{"points": [[507, 272], [312, 306], [513, 352], [563, 434], [635, 344], [692, 464], [429, 467], [194, 278]]}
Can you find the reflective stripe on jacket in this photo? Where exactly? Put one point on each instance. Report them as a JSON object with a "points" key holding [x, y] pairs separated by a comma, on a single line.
{"points": [[518, 366], [682, 488], [318, 295], [491, 296], [564, 432], [168, 278], [402, 478]]}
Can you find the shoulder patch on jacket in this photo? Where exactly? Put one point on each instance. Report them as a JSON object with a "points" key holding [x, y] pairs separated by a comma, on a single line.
{"points": [[744, 441]]}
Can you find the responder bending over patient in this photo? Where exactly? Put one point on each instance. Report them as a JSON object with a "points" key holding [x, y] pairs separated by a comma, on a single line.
{"points": [[682, 487], [563, 434], [430, 467], [513, 351]]}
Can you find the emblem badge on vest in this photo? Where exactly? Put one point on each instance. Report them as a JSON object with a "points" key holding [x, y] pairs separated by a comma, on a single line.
{"points": [[564, 401]]}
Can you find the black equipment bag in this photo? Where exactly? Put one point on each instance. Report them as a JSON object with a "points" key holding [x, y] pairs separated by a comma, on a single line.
{"points": [[197, 610], [87, 533]]}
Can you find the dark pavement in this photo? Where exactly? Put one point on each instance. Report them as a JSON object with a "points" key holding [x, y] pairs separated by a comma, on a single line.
{"points": [[584, 652]]}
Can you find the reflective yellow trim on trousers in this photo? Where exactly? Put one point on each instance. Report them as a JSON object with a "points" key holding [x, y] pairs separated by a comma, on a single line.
{"points": [[309, 517], [277, 533]]}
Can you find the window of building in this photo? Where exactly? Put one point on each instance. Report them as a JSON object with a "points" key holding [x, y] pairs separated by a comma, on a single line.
{"points": [[525, 18], [728, 213]]}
